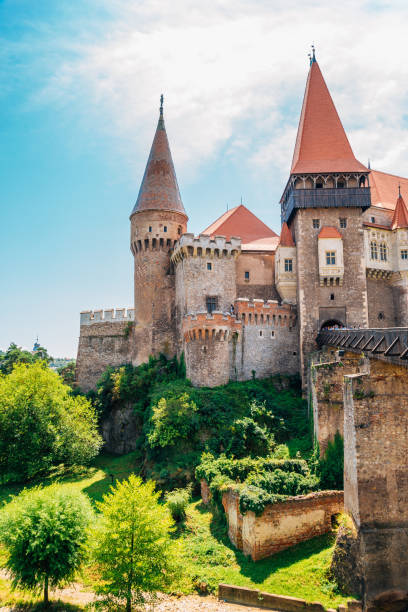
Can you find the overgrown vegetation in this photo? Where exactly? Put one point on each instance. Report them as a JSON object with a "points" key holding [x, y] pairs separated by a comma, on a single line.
{"points": [[259, 482], [179, 422]]}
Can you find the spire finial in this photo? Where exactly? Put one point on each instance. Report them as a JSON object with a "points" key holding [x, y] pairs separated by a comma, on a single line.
{"points": [[312, 55], [161, 106], [399, 190], [369, 164]]}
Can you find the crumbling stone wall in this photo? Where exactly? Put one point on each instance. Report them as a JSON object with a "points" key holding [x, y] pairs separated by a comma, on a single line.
{"points": [[327, 382], [376, 480], [281, 525]]}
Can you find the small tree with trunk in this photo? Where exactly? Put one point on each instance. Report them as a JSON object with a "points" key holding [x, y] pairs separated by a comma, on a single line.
{"points": [[44, 531], [133, 546]]}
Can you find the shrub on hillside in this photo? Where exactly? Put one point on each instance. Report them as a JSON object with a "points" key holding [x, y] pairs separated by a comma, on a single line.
{"points": [[42, 424], [172, 419], [44, 531], [249, 438], [177, 502]]}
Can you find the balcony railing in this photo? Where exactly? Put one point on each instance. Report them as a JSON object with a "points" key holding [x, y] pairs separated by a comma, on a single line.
{"points": [[354, 197]]}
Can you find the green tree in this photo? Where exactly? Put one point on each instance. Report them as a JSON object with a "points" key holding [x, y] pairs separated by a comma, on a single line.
{"points": [[173, 419], [42, 424], [67, 373], [132, 543], [44, 531], [13, 355]]}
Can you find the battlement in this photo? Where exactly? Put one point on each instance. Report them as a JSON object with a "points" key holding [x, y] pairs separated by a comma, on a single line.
{"points": [[259, 312], [152, 244], [89, 317], [205, 246], [205, 326]]}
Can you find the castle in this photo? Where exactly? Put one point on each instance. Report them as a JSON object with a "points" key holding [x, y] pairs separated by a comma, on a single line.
{"points": [[238, 300]]}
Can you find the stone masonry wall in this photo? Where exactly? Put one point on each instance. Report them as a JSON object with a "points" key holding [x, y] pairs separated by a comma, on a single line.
{"points": [[281, 525], [101, 344], [261, 282], [376, 479], [381, 307], [351, 297], [269, 339]]}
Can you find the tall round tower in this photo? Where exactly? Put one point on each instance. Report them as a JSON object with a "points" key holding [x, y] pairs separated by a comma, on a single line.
{"points": [[157, 221]]}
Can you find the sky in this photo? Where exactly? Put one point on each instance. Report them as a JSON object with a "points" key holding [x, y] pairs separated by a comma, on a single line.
{"points": [[80, 82]]}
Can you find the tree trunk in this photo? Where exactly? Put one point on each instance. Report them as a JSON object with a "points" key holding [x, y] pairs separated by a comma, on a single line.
{"points": [[46, 591], [128, 604]]}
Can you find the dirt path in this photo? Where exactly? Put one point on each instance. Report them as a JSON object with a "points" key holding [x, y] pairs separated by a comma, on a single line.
{"points": [[75, 595]]}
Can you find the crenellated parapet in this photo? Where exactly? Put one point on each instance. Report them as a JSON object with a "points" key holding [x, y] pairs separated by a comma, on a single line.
{"points": [[259, 312], [120, 315], [206, 246], [217, 326]]}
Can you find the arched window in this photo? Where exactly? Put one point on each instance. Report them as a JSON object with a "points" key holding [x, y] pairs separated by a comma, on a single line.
{"points": [[383, 251], [374, 251]]}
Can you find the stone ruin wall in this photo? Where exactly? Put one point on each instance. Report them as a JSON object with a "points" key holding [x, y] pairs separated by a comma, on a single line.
{"points": [[376, 479], [105, 340], [281, 525]]}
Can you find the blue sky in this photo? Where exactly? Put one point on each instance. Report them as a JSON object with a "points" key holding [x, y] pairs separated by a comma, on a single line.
{"points": [[79, 95]]}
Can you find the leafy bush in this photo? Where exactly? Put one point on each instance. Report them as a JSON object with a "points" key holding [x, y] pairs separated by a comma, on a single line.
{"points": [[177, 502], [255, 499], [44, 530], [42, 423], [249, 438], [330, 468], [172, 419], [283, 483]]}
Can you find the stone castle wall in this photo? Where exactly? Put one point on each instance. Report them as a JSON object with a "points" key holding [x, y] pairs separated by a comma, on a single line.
{"points": [[381, 305], [105, 340], [281, 525], [269, 339], [261, 281], [315, 306]]}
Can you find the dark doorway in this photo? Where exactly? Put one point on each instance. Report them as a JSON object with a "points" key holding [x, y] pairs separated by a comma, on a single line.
{"points": [[332, 323]]}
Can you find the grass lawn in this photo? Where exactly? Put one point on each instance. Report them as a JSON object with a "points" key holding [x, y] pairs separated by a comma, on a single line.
{"points": [[208, 556]]}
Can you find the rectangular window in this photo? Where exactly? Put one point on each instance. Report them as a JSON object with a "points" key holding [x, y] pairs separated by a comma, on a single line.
{"points": [[165, 228], [372, 219], [288, 265], [150, 228], [209, 266], [330, 258], [343, 222], [316, 223], [272, 334], [404, 254], [260, 333], [246, 275], [211, 303]]}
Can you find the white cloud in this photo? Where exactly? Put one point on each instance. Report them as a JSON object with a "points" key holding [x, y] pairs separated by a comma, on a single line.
{"points": [[233, 73]]}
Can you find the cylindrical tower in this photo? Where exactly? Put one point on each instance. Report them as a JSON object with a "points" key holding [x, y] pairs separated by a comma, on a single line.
{"points": [[157, 221]]}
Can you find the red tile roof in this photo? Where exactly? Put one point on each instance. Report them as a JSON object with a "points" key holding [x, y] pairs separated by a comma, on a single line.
{"points": [[321, 143], [384, 189], [159, 189], [286, 238], [241, 222], [329, 232], [400, 217]]}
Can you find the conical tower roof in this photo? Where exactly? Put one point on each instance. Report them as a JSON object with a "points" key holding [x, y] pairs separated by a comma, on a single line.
{"points": [[159, 189], [400, 217], [321, 142], [286, 238]]}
